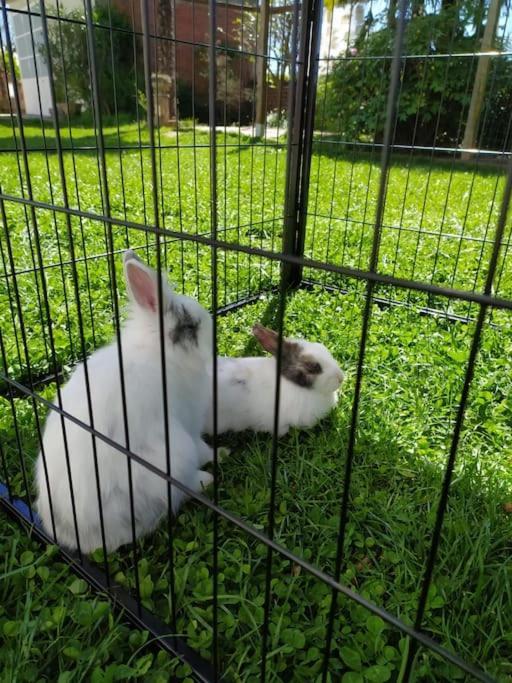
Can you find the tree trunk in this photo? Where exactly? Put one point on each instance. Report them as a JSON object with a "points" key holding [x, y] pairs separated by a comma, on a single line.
{"points": [[479, 86], [165, 81], [391, 18], [418, 8], [261, 68]]}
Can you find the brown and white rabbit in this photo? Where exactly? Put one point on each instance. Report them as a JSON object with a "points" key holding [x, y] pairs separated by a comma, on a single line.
{"points": [[310, 379], [187, 339]]}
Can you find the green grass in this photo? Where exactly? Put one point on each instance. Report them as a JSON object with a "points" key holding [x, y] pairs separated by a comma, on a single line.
{"points": [[53, 627], [412, 381]]}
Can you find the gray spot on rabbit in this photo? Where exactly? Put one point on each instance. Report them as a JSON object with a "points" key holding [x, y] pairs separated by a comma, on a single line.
{"points": [[186, 328], [296, 365]]}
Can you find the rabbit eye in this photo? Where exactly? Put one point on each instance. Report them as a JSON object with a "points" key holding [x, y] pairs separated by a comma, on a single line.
{"points": [[313, 368]]}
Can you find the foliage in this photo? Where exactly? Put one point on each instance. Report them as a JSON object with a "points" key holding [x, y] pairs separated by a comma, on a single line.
{"points": [[434, 92], [231, 94], [280, 26], [117, 80], [52, 624], [277, 119], [7, 65]]}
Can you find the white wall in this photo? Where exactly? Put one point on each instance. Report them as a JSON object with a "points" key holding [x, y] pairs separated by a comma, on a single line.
{"points": [[30, 60], [31, 96]]}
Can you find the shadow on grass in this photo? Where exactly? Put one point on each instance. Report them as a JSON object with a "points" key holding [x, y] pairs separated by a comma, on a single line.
{"points": [[392, 509], [334, 147], [81, 137]]}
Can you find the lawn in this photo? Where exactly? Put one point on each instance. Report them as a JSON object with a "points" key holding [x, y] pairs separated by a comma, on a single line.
{"points": [[413, 375]]}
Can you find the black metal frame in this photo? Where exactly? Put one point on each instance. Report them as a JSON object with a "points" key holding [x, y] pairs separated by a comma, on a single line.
{"points": [[302, 101]]}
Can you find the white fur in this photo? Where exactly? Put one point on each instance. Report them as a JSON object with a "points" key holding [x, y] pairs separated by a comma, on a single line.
{"points": [[187, 404], [246, 390]]}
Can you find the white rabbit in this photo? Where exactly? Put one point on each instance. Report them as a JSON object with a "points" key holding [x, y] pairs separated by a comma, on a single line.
{"points": [[310, 379], [187, 343]]}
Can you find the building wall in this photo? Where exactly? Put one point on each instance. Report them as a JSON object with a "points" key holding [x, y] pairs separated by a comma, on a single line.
{"points": [[236, 71], [28, 40]]}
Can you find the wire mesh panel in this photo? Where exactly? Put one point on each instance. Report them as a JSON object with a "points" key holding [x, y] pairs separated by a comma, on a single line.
{"points": [[340, 174], [445, 187]]}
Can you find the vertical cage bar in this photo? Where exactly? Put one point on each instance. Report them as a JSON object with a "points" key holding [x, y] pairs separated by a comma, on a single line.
{"points": [[156, 219], [391, 108], [75, 177], [48, 173], [18, 147], [212, 100], [309, 123], [37, 240], [108, 227], [273, 481], [300, 132]]}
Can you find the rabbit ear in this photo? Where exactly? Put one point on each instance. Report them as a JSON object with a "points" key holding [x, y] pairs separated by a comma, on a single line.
{"points": [[267, 338], [140, 282]]}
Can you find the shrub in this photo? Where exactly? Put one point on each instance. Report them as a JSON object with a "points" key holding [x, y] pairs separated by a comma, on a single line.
{"points": [[70, 59], [434, 93]]}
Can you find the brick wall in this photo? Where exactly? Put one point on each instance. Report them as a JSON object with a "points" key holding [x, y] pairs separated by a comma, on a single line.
{"points": [[235, 70]]}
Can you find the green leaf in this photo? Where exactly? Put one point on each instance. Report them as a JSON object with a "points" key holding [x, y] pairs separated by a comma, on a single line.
{"points": [[294, 638], [146, 587], [437, 602], [120, 578], [97, 675], [27, 557], [143, 665], [65, 676], [390, 653], [352, 677], [122, 672], [143, 567], [11, 628], [351, 658], [375, 625], [100, 609], [379, 673], [78, 587], [58, 614], [458, 355], [72, 652], [97, 555], [43, 573]]}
